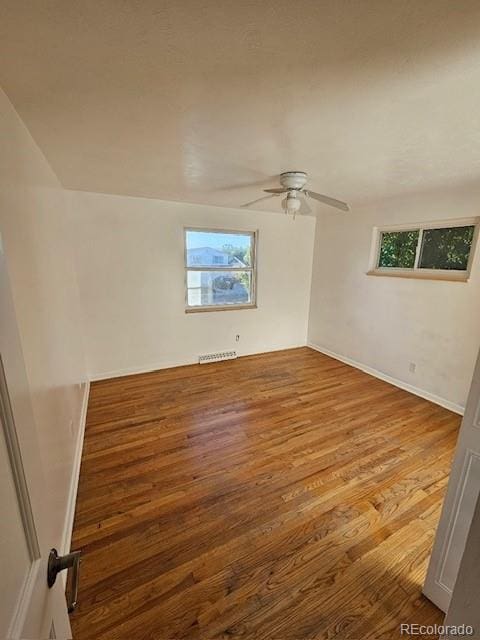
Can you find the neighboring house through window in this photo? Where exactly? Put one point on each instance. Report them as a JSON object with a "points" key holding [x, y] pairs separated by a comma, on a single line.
{"points": [[219, 269]]}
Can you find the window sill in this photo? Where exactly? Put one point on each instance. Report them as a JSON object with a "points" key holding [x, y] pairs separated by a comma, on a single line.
{"points": [[421, 274], [237, 307]]}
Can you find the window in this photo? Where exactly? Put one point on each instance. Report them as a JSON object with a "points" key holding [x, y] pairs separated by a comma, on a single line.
{"points": [[219, 269], [442, 250]]}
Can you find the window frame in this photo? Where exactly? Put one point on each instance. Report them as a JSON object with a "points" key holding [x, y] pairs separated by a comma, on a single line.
{"points": [[252, 268], [454, 275]]}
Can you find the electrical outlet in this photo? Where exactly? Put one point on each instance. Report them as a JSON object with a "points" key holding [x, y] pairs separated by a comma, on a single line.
{"points": [[412, 367]]}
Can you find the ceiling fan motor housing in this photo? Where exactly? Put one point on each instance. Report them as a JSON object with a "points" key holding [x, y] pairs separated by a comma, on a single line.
{"points": [[293, 179]]}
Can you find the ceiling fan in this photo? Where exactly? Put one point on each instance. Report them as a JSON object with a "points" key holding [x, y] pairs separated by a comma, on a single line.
{"points": [[293, 185]]}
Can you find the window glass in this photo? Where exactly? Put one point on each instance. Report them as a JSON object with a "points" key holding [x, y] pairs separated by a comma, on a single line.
{"points": [[447, 248], [207, 288], [398, 249], [207, 248]]}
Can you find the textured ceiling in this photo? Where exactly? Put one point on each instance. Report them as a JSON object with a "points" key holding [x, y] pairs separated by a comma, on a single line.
{"points": [[193, 100]]}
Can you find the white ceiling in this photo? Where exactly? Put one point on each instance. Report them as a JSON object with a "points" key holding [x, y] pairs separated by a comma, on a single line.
{"points": [[191, 100]]}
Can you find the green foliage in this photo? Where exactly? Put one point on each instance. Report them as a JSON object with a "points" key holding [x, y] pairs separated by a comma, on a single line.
{"points": [[244, 277], [398, 249], [244, 255], [227, 281], [241, 253], [446, 248]]}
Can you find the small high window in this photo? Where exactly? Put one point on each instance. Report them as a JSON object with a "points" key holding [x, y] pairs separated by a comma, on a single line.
{"points": [[442, 250], [219, 269]]}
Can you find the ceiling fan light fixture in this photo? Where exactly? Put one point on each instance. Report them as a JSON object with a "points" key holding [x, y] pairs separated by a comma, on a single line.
{"points": [[291, 204], [293, 185]]}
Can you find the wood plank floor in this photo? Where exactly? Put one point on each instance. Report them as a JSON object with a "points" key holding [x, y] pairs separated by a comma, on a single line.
{"points": [[279, 496]]}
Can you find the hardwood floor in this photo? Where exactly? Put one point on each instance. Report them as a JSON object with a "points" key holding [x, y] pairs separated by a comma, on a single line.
{"points": [[281, 496]]}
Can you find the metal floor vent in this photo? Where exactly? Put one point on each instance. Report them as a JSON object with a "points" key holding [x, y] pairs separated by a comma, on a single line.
{"points": [[217, 357]]}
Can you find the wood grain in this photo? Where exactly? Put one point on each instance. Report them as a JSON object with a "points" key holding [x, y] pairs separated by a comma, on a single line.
{"points": [[284, 496]]}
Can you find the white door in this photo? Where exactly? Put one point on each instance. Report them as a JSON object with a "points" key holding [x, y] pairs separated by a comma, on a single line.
{"points": [[464, 609], [28, 608], [462, 494]]}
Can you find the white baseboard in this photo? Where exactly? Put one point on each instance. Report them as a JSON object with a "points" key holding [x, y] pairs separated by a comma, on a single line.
{"points": [[130, 371], [120, 373], [72, 492], [447, 404]]}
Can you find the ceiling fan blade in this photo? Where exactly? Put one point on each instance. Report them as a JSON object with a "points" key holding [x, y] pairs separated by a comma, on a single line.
{"points": [[249, 204], [276, 191], [338, 204], [263, 182], [304, 208]]}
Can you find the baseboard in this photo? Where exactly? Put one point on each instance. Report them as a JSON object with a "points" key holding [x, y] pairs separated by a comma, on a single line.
{"points": [[72, 492], [447, 404], [130, 371]]}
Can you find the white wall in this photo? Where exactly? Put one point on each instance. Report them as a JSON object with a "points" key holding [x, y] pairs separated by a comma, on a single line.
{"points": [[130, 253], [385, 323], [36, 235]]}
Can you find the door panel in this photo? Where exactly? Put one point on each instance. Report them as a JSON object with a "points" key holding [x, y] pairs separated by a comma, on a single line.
{"points": [[456, 537], [457, 513], [15, 567], [464, 609], [28, 607]]}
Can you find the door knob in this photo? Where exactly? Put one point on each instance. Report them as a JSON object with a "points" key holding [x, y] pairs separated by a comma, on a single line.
{"points": [[58, 563]]}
